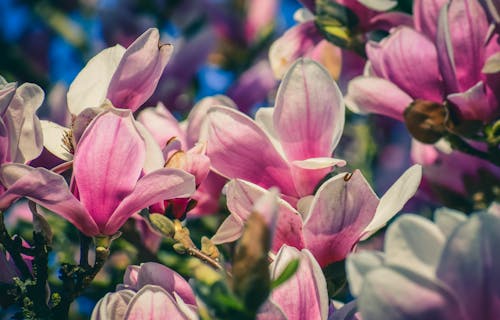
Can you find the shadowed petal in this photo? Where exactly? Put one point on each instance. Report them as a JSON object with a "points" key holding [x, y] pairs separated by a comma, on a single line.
{"points": [[53, 135], [470, 264], [473, 104], [113, 305], [139, 70], [154, 187], [426, 14], [162, 125], [358, 265], [234, 136], [339, 213], [398, 294]]}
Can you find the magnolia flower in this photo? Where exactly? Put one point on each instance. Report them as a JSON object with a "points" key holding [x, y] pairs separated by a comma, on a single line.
{"points": [[442, 270], [303, 296], [20, 130], [448, 38], [123, 78], [107, 185], [149, 291], [184, 148], [288, 146], [343, 211]]}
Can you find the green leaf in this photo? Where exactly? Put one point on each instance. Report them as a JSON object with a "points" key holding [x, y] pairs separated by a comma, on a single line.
{"points": [[287, 273]]}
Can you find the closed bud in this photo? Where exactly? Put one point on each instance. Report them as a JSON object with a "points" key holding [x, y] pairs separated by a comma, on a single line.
{"points": [[162, 224], [251, 278], [426, 120], [209, 248]]}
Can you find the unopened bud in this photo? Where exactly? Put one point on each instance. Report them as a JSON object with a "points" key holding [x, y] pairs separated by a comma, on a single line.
{"points": [[162, 224], [426, 120], [209, 248]]}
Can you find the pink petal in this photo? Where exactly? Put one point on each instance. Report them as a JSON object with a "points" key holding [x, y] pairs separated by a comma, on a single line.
{"points": [[207, 195], [238, 148], [131, 277], [48, 190], [304, 296], [339, 213], [473, 104], [153, 302], [294, 43], [377, 95], [461, 38], [426, 14], [152, 273], [241, 198], [162, 125], [309, 112], [139, 70], [154, 187], [108, 162], [399, 58], [197, 116], [270, 311]]}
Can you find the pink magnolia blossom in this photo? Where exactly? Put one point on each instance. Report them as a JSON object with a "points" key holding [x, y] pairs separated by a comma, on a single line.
{"points": [[442, 270], [183, 147], [288, 146], [20, 129], [127, 77], [343, 211], [107, 187], [149, 291], [449, 39]]}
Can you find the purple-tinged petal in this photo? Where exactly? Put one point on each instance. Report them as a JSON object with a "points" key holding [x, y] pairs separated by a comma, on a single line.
{"points": [[270, 311], [139, 70], [48, 190], [309, 112], [304, 295], [342, 208], [293, 44], [153, 302], [473, 104], [424, 154], [241, 198], [152, 273], [388, 20], [253, 85], [260, 16], [399, 58], [377, 95], [358, 265], [234, 136], [426, 15], [162, 125], [207, 195], [394, 199], [159, 185], [7, 91], [131, 277], [467, 26], [90, 86], [470, 264], [25, 131], [399, 294], [195, 121], [108, 162]]}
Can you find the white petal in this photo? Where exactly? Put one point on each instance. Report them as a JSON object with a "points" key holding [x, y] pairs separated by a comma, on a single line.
{"points": [[394, 199], [90, 86]]}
